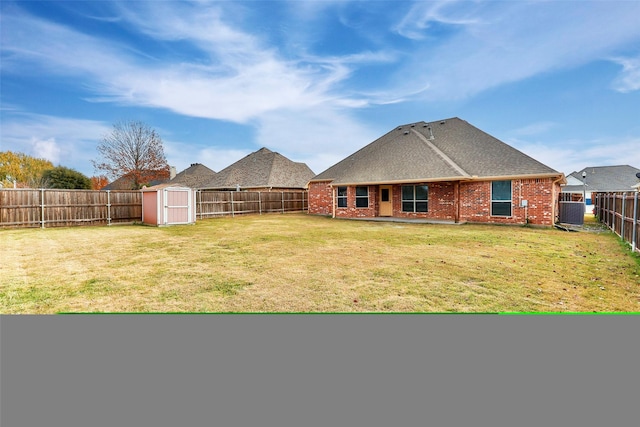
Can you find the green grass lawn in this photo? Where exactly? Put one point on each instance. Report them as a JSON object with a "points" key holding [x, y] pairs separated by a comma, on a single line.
{"points": [[302, 263]]}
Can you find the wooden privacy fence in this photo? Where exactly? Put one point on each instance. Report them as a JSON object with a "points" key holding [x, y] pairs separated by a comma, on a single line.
{"points": [[29, 207], [621, 213], [211, 203]]}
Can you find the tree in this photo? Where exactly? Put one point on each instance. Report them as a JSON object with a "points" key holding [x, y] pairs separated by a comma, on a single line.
{"points": [[62, 177], [99, 182], [133, 150], [25, 170]]}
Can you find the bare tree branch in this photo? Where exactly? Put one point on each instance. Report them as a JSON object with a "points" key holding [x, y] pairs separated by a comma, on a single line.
{"points": [[135, 150]]}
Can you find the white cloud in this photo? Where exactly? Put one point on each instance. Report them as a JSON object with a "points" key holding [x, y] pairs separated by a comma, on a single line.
{"points": [[534, 128], [66, 141], [629, 78], [574, 155], [511, 41], [422, 16], [232, 75], [46, 149], [216, 158], [318, 137]]}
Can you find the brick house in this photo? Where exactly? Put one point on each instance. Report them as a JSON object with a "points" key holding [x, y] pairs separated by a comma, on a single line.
{"points": [[446, 170]]}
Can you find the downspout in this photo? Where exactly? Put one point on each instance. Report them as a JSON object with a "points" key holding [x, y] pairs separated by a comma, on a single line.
{"points": [[333, 202], [456, 196]]}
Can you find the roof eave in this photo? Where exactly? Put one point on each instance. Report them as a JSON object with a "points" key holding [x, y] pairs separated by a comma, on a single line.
{"points": [[335, 183]]}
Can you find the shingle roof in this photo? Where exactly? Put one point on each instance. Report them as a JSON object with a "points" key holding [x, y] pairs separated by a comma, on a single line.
{"points": [[608, 178], [450, 149], [262, 169], [194, 176], [126, 182]]}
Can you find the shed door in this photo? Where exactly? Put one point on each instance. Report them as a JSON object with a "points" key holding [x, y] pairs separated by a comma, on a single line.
{"points": [[386, 200], [177, 206]]}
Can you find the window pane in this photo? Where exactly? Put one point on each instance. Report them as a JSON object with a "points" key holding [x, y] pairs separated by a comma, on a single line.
{"points": [[342, 191], [362, 191], [407, 192], [501, 208], [422, 192], [362, 202], [342, 202], [501, 190], [421, 207], [407, 206], [384, 195]]}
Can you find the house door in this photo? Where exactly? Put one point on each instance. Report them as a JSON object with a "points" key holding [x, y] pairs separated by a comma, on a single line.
{"points": [[386, 200]]}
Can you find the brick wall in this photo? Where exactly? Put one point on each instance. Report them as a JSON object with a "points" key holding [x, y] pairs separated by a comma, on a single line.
{"points": [[475, 202], [441, 202], [320, 198], [351, 211]]}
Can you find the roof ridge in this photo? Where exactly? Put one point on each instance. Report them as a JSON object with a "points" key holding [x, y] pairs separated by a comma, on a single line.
{"points": [[441, 154], [272, 162]]}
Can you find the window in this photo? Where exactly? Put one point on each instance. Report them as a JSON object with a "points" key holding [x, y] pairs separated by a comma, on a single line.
{"points": [[362, 197], [384, 195], [501, 198], [415, 198], [342, 197]]}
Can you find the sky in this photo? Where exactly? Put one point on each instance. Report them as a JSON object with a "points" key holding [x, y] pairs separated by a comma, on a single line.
{"points": [[317, 80]]}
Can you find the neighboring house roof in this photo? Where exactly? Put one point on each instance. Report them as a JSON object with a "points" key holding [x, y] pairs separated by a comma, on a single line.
{"points": [[126, 183], [195, 176], [450, 149], [604, 179], [262, 169]]}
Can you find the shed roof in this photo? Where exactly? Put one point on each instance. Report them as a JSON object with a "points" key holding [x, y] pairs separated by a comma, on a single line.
{"points": [[450, 149], [165, 185], [262, 169]]}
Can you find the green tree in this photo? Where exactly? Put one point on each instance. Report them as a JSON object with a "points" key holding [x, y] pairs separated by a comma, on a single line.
{"points": [[135, 151], [25, 170], [62, 177]]}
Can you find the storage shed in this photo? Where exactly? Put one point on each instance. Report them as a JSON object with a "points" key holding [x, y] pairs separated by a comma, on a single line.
{"points": [[168, 204]]}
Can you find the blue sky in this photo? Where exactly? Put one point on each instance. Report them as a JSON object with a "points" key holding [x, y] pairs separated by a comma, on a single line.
{"points": [[318, 80]]}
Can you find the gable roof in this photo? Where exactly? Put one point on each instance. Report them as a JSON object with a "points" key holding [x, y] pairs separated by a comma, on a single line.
{"points": [[194, 176], [262, 169], [607, 178], [444, 150], [126, 182]]}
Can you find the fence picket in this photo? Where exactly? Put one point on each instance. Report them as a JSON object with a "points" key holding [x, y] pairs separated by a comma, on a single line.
{"points": [[614, 210]]}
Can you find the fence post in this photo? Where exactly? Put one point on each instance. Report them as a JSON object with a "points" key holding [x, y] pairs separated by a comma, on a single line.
{"points": [[624, 203], [260, 202], [198, 203], [108, 207], [282, 197], [634, 238], [42, 207], [232, 211]]}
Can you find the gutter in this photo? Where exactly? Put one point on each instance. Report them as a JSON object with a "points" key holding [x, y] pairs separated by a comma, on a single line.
{"points": [[446, 179]]}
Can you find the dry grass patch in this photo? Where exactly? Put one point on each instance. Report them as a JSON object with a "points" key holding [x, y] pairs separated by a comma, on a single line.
{"points": [[301, 263]]}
